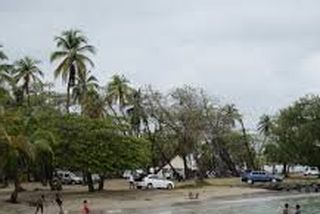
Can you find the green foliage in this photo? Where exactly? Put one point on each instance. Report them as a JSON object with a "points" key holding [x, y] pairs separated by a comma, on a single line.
{"points": [[96, 146], [295, 133]]}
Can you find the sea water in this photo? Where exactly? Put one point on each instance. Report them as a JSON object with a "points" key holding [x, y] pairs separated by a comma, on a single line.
{"points": [[252, 205]]}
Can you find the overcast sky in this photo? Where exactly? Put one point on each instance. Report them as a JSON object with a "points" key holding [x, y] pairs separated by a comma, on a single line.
{"points": [[259, 54]]}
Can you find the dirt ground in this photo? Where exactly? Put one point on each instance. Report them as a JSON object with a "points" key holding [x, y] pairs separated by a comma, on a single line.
{"points": [[116, 196]]}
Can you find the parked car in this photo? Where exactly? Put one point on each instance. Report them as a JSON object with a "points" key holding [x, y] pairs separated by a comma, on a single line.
{"points": [[68, 177], [259, 176], [311, 171], [153, 181]]}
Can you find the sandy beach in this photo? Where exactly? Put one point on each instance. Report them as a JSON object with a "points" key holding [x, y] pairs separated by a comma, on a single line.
{"points": [[116, 197]]}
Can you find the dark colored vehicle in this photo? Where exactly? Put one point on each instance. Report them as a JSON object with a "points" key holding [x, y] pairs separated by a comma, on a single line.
{"points": [[259, 176]]}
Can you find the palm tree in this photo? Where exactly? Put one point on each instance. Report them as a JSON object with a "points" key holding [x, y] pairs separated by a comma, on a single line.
{"points": [[118, 92], [93, 104], [264, 125], [3, 56], [27, 72], [71, 57], [16, 152], [136, 112], [4, 68], [43, 143], [234, 116], [264, 128], [85, 83]]}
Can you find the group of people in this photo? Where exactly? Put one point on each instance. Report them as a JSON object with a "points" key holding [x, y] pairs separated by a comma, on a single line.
{"points": [[58, 201], [287, 210]]}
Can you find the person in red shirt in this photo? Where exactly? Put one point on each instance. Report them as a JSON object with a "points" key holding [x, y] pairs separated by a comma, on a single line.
{"points": [[85, 209]]}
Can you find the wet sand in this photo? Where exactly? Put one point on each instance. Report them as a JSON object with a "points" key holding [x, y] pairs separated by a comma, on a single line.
{"points": [[117, 197]]}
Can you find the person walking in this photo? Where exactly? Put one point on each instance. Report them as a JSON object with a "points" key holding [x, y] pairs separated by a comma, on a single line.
{"points": [[40, 204], [59, 203], [131, 182], [85, 208]]}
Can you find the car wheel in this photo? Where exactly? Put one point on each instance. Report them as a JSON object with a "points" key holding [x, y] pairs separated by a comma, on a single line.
{"points": [[73, 182], [149, 186], [250, 181], [274, 180], [169, 186]]}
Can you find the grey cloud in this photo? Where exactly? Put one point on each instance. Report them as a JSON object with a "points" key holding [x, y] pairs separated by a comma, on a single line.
{"points": [[261, 55]]}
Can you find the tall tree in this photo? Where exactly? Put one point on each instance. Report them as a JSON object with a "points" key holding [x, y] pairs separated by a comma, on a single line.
{"points": [[72, 57], [3, 56], [118, 92], [93, 105], [27, 72], [16, 152], [136, 112], [264, 125], [234, 116], [85, 83], [4, 68]]}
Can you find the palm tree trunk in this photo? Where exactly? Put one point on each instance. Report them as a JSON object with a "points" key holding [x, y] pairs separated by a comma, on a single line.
{"points": [[68, 97], [251, 162], [28, 97]]}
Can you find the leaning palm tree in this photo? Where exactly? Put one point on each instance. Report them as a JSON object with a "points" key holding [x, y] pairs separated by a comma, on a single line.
{"points": [[27, 72], [85, 82], [118, 92], [72, 58], [233, 114]]}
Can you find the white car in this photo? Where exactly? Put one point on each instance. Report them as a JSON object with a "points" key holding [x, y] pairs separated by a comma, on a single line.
{"points": [[68, 177], [312, 171], [154, 182]]}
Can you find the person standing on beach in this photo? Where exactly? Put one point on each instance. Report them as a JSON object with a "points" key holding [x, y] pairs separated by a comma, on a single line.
{"points": [[286, 209], [59, 203], [131, 182], [85, 209], [40, 204], [297, 209]]}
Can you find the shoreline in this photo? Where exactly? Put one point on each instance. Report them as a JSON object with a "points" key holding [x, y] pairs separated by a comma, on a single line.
{"points": [[117, 198]]}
